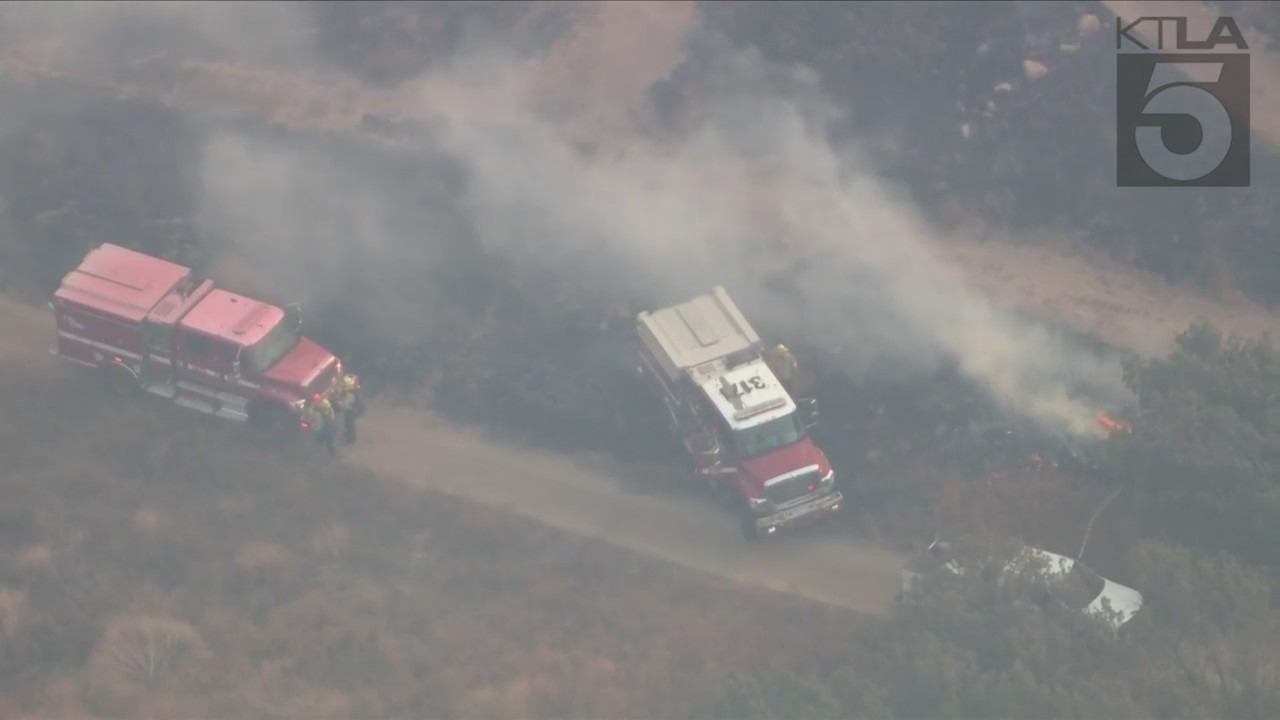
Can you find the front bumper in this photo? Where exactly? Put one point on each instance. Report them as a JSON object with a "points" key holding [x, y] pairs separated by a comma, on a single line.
{"points": [[301, 413], [802, 514], [330, 393]]}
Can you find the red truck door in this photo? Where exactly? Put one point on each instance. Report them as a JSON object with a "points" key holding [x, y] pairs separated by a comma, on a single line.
{"points": [[205, 376], [703, 442], [158, 355]]}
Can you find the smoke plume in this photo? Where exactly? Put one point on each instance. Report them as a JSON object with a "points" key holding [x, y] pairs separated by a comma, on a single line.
{"points": [[565, 158], [753, 196]]}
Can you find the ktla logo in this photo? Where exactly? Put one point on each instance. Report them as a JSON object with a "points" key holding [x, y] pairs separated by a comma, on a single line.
{"points": [[1182, 119]]}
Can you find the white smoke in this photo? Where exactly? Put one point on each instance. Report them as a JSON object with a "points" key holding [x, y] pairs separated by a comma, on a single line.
{"points": [[563, 160], [751, 193]]}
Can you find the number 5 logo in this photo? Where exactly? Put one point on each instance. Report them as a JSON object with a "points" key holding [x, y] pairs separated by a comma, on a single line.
{"points": [[1169, 93]]}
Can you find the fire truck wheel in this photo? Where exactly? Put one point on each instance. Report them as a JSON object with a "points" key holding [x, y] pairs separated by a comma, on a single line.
{"points": [[749, 528], [726, 495], [120, 380], [274, 425]]}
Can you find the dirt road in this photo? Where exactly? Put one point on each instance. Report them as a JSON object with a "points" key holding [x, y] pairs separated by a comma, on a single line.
{"points": [[402, 443], [562, 492]]}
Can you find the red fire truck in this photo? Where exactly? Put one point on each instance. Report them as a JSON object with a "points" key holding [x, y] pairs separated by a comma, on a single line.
{"points": [[148, 325], [743, 431]]}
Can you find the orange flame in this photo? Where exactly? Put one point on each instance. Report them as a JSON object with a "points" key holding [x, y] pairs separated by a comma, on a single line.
{"points": [[1110, 423]]}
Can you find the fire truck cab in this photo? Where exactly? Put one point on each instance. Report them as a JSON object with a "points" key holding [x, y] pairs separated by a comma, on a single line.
{"points": [[740, 426], [148, 325]]}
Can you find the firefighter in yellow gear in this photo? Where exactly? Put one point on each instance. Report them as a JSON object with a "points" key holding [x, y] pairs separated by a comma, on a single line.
{"points": [[782, 362], [321, 420], [350, 404]]}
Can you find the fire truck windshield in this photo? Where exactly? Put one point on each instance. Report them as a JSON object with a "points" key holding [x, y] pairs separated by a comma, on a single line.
{"points": [[767, 437], [267, 352]]}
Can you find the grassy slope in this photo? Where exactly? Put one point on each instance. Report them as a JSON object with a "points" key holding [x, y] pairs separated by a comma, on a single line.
{"points": [[297, 588]]}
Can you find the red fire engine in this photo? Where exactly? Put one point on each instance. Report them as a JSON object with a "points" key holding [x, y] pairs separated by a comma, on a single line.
{"points": [[742, 429], [148, 325]]}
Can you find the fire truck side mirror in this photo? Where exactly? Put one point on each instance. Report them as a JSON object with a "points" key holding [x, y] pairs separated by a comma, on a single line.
{"points": [[808, 412], [235, 364], [293, 315], [707, 447]]}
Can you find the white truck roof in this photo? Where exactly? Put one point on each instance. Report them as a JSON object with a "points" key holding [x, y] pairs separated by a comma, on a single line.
{"points": [[695, 332], [696, 338]]}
